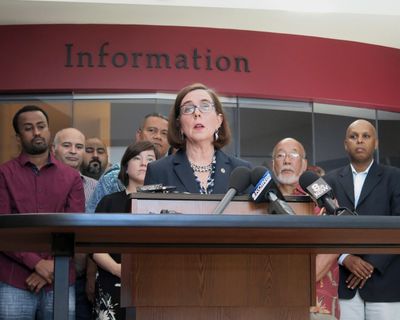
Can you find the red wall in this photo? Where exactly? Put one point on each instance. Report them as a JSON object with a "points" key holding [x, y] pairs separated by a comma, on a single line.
{"points": [[33, 59]]}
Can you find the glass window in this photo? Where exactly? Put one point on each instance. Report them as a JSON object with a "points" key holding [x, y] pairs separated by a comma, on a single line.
{"points": [[58, 108], [116, 118], [331, 123], [265, 122], [388, 132]]}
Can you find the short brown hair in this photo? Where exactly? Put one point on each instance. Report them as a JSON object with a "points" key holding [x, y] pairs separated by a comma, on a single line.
{"points": [[175, 138], [132, 151]]}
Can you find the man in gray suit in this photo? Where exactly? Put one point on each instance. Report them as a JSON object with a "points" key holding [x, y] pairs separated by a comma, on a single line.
{"points": [[369, 285]]}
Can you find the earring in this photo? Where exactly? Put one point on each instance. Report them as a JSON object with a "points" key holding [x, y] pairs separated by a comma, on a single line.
{"points": [[216, 136], [182, 136]]}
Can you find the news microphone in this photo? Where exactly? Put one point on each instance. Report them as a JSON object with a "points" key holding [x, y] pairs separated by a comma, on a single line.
{"points": [[321, 192], [155, 188], [264, 182], [239, 181], [278, 206]]}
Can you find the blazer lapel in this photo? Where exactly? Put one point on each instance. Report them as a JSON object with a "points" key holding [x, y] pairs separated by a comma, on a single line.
{"points": [[346, 180], [373, 178], [184, 172], [223, 170]]}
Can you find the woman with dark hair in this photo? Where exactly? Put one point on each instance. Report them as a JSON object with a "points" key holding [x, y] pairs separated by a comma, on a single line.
{"points": [[198, 129], [108, 283]]}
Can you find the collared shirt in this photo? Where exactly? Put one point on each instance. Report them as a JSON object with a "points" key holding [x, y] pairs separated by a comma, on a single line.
{"points": [[80, 259], [107, 184], [358, 183], [89, 184], [26, 189]]}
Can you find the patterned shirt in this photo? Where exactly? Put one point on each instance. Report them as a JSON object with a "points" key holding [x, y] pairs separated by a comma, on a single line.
{"points": [[107, 184]]}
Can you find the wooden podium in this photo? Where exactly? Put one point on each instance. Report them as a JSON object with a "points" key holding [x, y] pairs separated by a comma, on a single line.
{"points": [[62, 234], [213, 281]]}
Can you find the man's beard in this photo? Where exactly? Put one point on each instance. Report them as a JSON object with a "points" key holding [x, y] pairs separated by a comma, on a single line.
{"points": [[292, 179], [93, 169], [34, 149]]}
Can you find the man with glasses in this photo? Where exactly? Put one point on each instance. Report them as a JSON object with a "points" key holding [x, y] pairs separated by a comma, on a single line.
{"points": [[369, 286], [154, 129], [288, 163]]}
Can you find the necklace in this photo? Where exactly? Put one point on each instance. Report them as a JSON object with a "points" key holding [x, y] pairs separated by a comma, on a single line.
{"points": [[197, 168]]}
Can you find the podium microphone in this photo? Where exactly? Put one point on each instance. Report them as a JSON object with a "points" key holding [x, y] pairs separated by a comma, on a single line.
{"points": [[266, 189], [321, 192], [239, 181], [264, 182]]}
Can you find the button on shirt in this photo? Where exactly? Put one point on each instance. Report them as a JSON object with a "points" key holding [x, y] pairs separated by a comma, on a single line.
{"points": [[26, 189], [358, 182]]}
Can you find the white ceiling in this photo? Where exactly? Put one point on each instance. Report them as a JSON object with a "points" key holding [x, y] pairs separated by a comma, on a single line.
{"points": [[369, 21]]}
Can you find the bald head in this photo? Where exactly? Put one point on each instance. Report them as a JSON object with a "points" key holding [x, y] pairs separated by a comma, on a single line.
{"points": [[361, 123], [69, 146], [288, 163], [360, 143]]}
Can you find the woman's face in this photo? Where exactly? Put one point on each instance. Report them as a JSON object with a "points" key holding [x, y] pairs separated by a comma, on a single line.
{"points": [[137, 166], [200, 122]]}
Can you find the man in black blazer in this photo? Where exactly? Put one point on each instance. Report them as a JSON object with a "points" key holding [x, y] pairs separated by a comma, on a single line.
{"points": [[369, 285]]}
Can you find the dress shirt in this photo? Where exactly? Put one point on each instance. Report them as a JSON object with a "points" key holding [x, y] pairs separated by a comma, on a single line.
{"points": [[26, 189], [358, 182]]}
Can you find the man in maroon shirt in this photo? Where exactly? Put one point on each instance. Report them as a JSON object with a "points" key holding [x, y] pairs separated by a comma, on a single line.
{"points": [[34, 182], [288, 163]]}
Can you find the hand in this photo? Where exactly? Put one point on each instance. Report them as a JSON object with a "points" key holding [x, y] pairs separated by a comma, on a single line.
{"points": [[354, 282], [45, 268], [35, 282], [359, 267]]}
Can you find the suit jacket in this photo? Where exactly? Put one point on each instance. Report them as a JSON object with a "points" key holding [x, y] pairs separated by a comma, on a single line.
{"points": [[175, 170], [380, 195]]}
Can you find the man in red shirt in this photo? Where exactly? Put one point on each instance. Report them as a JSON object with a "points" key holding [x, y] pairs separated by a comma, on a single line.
{"points": [[34, 182], [288, 163]]}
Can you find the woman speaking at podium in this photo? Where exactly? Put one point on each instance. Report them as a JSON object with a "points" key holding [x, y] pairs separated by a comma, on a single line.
{"points": [[197, 129]]}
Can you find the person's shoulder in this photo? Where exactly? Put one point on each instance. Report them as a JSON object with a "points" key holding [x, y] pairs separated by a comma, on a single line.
{"points": [[163, 162], [9, 165], [390, 171]]}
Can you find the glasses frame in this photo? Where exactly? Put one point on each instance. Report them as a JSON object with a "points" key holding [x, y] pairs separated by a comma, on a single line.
{"points": [[198, 107]]}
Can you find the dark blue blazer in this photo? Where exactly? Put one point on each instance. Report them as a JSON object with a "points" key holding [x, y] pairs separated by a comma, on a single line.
{"points": [[175, 170], [380, 195]]}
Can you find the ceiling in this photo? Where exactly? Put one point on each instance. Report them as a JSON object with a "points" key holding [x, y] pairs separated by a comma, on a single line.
{"points": [[369, 21]]}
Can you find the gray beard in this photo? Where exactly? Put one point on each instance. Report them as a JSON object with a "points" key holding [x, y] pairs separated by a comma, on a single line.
{"points": [[293, 179]]}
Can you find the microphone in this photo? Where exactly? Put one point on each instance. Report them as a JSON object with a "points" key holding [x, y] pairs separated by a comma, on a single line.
{"points": [[155, 188], [322, 193], [264, 182], [267, 189], [239, 181]]}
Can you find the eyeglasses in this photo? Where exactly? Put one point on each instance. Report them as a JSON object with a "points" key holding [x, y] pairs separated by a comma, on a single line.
{"points": [[204, 107], [292, 155]]}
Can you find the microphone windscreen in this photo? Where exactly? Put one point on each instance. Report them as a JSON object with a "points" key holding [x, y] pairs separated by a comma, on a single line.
{"points": [[307, 178], [240, 179], [257, 173]]}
